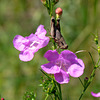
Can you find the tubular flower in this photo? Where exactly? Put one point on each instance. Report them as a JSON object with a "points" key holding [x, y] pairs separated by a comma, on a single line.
{"points": [[62, 65], [95, 94], [30, 44]]}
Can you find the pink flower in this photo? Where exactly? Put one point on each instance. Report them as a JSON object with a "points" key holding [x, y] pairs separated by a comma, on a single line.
{"points": [[95, 94], [2, 99], [62, 65], [31, 44]]}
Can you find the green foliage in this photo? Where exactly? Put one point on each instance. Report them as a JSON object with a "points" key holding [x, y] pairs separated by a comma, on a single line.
{"points": [[29, 96], [50, 87]]}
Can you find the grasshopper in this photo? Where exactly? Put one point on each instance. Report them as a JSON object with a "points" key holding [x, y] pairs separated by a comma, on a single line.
{"points": [[56, 34]]}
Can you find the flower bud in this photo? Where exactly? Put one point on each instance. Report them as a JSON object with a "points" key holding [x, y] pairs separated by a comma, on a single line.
{"points": [[43, 1], [86, 78], [58, 12], [96, 39], [85, 81], [99, 50]]}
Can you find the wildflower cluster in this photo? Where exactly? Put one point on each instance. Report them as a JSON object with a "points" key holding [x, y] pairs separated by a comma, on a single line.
{"points": [[61, 65], [29, 96]]}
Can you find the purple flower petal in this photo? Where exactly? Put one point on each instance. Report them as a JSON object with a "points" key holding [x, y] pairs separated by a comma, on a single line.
{"points": [[50, 68], [51, 55], [44, 42], [80, 63], [26, 55], [19, 42], [32, 37], [41, 32], [95, 94], [68, 55], [75, 70], [41, 42], [61, 77], [67, 63]]}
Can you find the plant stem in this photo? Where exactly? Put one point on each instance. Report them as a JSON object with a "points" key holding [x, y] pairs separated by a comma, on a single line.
{"points": [[81, 81], [60, 93], [91, 58], [91, 77], [46, 97], [88, 83]]}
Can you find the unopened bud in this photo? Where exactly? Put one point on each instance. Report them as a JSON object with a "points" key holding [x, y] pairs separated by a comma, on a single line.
{"points": [[58, 12], [43, 1], [96, 40], [86, 78], [99, 50], [85, 81]]}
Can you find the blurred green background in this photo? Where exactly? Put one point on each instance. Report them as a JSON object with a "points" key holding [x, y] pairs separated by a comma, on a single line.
{"points": [[80, 19]]}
